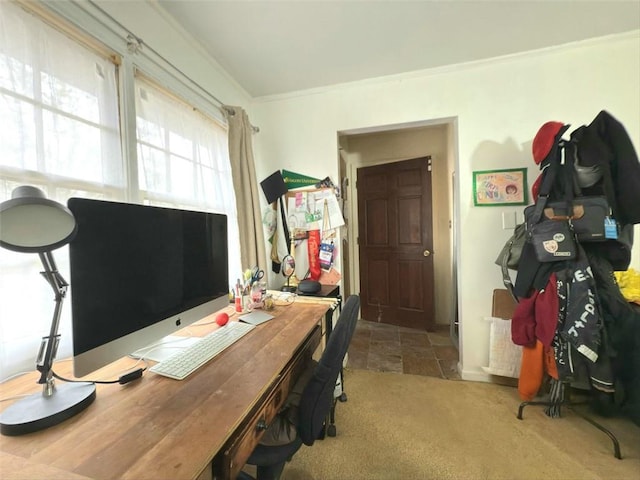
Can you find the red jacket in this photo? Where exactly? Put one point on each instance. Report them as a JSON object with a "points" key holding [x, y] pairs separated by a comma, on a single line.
{"points": [[536, 317]]}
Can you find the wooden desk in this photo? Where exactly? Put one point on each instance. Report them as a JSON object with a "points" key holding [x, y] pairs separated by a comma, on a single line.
{"points": [[330, 292], [159, 428]]}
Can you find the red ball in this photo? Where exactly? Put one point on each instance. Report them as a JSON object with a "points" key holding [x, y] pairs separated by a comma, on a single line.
{"points": [[222, 318]]}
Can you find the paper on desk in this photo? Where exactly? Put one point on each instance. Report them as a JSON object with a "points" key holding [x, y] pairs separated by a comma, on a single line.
{"points": [[256, 317]]}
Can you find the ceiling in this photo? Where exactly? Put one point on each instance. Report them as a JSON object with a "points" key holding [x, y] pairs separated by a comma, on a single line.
{"points": [[276, 47]]}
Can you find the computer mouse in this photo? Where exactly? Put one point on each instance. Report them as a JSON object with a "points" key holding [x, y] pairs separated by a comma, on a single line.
{"points": [[222, 318]]}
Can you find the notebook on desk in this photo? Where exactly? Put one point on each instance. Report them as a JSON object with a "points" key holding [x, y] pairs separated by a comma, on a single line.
{"points": [[255, 318]]}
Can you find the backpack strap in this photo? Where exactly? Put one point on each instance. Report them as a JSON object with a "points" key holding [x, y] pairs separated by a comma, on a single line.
{"points": [[560, 167], [545, 189]]}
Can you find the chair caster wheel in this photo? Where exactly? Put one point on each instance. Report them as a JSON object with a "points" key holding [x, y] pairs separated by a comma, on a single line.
{"points": [[343, 397], [331, 430]]}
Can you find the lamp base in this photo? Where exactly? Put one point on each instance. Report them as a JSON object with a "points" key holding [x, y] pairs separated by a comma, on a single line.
{"points": [[37, 412]]}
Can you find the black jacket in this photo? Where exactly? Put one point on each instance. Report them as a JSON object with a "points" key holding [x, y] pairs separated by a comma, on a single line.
{"points": [[605, 142]]}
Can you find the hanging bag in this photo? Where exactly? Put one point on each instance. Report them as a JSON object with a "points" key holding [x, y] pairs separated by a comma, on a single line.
{"points": [[509, 257], [590, 217], [553, 239]]}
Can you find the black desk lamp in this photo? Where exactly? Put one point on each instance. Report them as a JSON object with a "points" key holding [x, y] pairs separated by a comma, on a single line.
{"points": [[30, 223]]}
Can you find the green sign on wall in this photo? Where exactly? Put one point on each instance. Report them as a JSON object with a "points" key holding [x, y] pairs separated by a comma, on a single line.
{"points": [[297, 180]]}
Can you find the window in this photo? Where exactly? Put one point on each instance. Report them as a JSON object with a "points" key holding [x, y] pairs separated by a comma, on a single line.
{"points": [[183, 159], [61, 117]]}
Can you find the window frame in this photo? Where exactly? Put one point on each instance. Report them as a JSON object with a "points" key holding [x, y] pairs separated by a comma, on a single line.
{"points": [[99, 31]]}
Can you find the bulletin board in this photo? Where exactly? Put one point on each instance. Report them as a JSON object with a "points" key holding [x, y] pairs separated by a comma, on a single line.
{"points": [[314, 209]]}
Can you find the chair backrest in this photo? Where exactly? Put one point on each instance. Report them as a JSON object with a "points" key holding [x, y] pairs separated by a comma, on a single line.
{"points": [[317, 396]]}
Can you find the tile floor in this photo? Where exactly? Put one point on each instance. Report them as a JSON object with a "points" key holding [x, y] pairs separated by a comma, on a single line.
{"points": [[387, 348]]}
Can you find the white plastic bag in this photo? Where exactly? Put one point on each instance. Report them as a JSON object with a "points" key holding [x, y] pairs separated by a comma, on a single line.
{"points": [[505, 357]]}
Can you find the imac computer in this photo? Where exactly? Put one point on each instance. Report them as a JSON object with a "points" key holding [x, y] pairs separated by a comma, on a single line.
{"points": [[139, 273]]}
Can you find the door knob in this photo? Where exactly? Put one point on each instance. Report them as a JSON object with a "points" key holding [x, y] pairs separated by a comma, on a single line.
{"points": [[426, 253]]}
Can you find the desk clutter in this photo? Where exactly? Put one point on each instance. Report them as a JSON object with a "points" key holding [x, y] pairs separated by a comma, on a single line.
{"points": [[302, 223], [577, 328], [251, 292]]}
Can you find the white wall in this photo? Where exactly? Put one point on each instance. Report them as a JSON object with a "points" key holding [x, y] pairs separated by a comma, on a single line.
{"points": [[499, 106]]}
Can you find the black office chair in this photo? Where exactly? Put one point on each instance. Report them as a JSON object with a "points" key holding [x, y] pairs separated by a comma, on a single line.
{"points": [[316, 401]]}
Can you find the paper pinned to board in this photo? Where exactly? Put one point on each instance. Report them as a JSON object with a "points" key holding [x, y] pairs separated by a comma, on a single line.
{"points": [[331, 213], [314, 210]]}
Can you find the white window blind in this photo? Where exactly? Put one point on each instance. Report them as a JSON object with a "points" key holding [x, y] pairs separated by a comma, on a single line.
{"points": [[183, 160], [60, 113]]}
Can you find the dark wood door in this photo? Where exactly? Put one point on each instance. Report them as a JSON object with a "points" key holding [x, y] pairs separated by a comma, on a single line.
{"points": [[395, 238]]}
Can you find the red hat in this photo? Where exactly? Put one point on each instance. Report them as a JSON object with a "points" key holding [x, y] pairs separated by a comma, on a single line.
{"points": [[546, 138]]}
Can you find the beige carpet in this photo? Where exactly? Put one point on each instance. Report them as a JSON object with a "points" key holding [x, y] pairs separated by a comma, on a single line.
{"points": [[397, 426]]}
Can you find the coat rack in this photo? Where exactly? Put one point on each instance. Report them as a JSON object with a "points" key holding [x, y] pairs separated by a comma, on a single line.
{"points": [[570, 404]]}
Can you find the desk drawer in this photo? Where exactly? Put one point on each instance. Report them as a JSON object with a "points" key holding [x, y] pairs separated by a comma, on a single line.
{"points": [[234, 455]]}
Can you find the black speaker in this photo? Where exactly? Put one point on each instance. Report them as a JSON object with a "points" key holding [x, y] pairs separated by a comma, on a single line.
{"points": [[309, 286]]}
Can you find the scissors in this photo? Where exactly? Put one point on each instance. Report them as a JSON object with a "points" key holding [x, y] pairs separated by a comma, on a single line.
{"points": [[256, 274]]}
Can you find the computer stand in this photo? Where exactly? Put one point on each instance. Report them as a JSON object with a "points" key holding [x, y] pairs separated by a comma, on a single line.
{"points": [[570, 404]]}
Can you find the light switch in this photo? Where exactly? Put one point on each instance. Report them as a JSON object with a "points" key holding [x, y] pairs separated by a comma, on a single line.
{"points": [[508, 220]]}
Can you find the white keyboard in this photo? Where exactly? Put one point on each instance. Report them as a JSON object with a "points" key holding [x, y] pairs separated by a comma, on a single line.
{"points": [[189, 359]]}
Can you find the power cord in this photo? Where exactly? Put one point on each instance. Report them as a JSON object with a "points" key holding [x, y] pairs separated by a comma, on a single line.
{"points": [[122, 380]]}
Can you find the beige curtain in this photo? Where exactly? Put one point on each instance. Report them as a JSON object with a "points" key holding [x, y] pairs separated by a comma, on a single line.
{"points": [[243, 171]]}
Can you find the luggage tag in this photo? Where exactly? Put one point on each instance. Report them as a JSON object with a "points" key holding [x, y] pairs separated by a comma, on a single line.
{"points": [[326, 255], [610, 228]]}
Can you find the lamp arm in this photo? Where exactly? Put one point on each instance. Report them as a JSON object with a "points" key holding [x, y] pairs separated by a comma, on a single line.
{"points": [[49, 345]]}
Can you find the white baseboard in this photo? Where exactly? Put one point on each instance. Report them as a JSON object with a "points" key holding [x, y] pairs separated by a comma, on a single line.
{"points": [[474, 375]]}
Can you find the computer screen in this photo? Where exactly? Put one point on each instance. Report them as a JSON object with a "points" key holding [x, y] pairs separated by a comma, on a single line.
{"points": [[139, 273]]}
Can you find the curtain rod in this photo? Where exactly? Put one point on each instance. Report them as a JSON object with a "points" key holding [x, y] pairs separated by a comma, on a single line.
{"points": [[231, 112], [135, 43]]}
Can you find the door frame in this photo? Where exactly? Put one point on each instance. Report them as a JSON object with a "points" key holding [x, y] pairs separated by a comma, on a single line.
{"points": [[447, 244]]}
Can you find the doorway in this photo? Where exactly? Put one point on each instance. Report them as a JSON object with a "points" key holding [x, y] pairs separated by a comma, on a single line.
{"points": [[395, 239], [391, 144]]}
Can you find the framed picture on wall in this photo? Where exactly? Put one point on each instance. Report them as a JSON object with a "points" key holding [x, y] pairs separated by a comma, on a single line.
{"points": [[500, 187]]}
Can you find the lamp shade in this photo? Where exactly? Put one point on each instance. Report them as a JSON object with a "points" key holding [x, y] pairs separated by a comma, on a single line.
{"points": [[31, 223]]}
